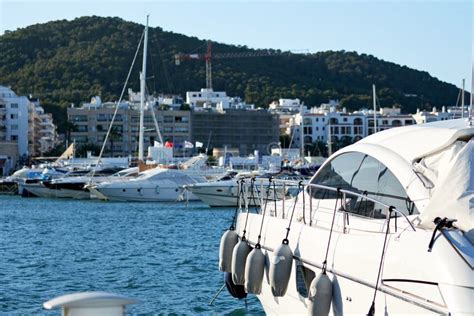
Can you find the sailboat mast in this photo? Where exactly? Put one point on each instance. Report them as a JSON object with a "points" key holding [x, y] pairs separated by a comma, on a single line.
{"points": [[302, 131], [374, 97], [462, 99], [142, 94]]}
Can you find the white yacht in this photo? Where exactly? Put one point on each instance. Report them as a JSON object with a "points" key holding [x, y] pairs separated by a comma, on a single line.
{"points": [[153, 185], [386, 226], [224, 192], [75, 184]]}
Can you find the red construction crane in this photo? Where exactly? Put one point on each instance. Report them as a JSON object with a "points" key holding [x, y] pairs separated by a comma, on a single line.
{"points": [[208, 56]]}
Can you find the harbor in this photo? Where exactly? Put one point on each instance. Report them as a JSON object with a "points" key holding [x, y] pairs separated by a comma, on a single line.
{"points": [[141, 249], [216, 178]]}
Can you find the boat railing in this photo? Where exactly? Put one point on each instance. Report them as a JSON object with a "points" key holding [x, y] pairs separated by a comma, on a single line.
{"points": [[247, 186]]}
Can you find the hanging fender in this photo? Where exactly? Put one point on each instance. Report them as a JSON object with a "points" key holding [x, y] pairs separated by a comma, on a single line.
{"points": [[320, 296], [236, 291], [280, 268], [239, 258], [228, 242], [254, 270]]}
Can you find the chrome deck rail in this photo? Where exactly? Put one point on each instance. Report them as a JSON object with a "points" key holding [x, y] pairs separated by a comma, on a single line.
{"points": [[344, 192]]}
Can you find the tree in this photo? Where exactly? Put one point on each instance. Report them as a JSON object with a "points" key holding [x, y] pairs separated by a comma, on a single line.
{"points": [[83, 149], [285, 140], [70, 127], [114, 135]]}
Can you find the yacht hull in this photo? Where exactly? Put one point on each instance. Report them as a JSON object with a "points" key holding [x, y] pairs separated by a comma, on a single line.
{"points": [[354, 259], [141, 194]]}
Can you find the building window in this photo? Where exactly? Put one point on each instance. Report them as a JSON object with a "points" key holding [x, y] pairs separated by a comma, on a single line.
{"points": [[14, 106], [344, 119], [168, 119], [181, 129], [181, 119], [14, 127], [81, 128], [14, 116], [80, 118]]}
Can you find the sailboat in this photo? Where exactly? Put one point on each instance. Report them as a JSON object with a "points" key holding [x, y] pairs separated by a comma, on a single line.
{"points": [[153, 183]]}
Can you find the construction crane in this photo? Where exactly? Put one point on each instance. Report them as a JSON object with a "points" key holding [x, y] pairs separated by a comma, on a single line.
{"points": [[208, 56]]}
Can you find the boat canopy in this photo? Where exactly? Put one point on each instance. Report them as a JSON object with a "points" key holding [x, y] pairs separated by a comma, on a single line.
{"points": [[434, 163], [417, 141], [452, 173]]}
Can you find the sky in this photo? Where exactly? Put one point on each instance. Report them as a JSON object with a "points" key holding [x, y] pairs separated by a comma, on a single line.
{"points": [[434, 36]]}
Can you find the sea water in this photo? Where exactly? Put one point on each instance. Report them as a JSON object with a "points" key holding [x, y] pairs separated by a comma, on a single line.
{"points": [[164, 254]]}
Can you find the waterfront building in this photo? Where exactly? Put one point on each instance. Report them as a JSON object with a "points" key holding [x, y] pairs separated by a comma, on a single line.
{"points": [[42, 134], [245, 130], [208, 99], [433, 116], [90, 122], [13, 129], [344, 126]]}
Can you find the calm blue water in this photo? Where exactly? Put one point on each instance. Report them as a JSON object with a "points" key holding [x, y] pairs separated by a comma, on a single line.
{"points": [[164, 254]]}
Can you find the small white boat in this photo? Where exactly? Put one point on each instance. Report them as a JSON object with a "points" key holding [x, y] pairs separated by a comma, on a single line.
{"points": [[224, 192], [153, 185]]}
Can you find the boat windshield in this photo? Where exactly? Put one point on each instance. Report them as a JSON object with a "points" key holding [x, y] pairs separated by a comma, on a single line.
{"points": [[365, 175]]}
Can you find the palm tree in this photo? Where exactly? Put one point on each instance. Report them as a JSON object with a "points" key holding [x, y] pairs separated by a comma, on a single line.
{"points": [[115, 134]]}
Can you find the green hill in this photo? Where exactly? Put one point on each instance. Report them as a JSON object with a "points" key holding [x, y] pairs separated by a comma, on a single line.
{"points": [[65, 62]]}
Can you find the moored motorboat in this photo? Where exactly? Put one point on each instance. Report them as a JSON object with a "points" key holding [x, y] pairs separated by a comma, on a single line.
{"points": [[384, 226]]}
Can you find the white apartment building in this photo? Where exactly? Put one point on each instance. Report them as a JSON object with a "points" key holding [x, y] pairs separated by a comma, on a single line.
{"points": [[433, 116], [215, 100], [42, 135], [285, 105], [13, 129], [207, 98], [319, 123], [14, 119]]}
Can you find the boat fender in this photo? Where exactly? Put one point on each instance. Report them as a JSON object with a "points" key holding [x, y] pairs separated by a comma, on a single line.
{"points": [[228, 242], [239, 258], [337, 304], [320, 296], [280, 268], [236, 291], [254, 269]]}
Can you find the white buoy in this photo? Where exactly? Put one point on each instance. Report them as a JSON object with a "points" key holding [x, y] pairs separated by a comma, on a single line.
{"points": [[254, 269], [320, 296], [91, 304], [228, 242], [239, 258], [280, 269], [337, 304]]}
